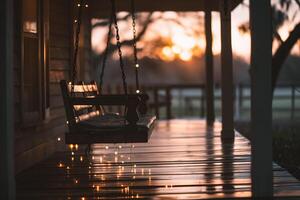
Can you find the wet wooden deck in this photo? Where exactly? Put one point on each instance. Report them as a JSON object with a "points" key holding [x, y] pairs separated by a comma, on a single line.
{"points": [[183, 160]]}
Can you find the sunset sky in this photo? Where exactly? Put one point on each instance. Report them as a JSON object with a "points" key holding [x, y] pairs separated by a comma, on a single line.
{"points": [[186, 40]]}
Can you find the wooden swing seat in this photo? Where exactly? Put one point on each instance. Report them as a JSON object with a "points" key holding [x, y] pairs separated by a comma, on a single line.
{"points": [[88, 123]]}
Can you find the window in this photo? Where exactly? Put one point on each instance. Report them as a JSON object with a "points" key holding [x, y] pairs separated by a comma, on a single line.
{"points": [[34, 69]]}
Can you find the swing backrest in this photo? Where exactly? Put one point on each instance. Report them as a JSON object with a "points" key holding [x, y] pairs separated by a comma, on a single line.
{"points": [[77, 113]]}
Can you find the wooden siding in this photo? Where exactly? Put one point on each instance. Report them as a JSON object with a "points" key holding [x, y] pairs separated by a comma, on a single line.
{"points": [[33, 144]]}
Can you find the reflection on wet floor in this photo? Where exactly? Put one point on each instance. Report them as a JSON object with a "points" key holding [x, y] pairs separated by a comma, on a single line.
{"points": [[184, 159]]}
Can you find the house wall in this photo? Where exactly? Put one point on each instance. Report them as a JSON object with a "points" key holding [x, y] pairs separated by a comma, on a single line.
{"points": [[35, 143]]}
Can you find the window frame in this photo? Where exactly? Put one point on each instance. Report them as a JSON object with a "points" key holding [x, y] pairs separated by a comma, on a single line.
{"points": [[30, 119]]}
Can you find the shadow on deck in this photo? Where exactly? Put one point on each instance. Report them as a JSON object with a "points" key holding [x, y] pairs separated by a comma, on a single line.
{"points": [[183, 160]]}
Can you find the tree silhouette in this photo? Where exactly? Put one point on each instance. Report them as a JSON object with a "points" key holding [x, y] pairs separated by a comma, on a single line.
{"points": [[281, 13]]}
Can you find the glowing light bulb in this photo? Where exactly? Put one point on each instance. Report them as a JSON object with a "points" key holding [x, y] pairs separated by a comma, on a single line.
{"points": [[78, 5], [137, 65], [81, 158], [75, 21], [86, 5], [106, 147], [59, 139], [137, 91]]}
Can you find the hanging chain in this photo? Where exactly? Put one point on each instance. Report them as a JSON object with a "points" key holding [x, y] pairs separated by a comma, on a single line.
{"points": [[79, 16], [106, 51], [119, 46], [136, 64]]}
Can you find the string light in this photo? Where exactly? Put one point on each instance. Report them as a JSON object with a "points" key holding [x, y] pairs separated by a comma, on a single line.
{"points": [[59, 139], [78, 5], [137, 65], [86, 5], [137, 91], [75, 21], [97, 188]]}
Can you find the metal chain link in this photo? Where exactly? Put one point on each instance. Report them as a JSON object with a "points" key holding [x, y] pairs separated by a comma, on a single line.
{"points": [[106, 51], [136, 64], [119, 46], [79, 16]]}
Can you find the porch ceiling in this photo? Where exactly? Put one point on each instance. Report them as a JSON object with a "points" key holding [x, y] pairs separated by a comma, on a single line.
{"points": [[98, 8]]}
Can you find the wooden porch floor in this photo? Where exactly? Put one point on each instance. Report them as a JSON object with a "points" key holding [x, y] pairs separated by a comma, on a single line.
{"points": [[183, 160]]}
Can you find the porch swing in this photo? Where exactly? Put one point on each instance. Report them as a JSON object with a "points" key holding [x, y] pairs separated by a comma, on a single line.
{"points": [[87, 120]]}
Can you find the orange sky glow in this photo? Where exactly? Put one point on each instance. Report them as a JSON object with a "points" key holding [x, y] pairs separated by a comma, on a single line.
{"points": [[179, 42]]}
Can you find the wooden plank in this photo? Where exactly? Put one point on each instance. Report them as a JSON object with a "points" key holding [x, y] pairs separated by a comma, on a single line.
{"points": [[261, 99], [113, 99], [7, 181], [182, 160], [209, 68], [99, 8], [226, 71], [60, 53]]}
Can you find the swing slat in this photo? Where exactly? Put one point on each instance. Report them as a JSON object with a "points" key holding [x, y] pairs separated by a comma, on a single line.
{"points": [[89, 124]]}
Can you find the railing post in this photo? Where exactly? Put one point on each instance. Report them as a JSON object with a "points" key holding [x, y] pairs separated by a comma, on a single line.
{"points": [[169, 102], [7, 176], [241, 97], [226, 72], [261, 99], [202, 99], [293, 102], [156, 106], [237, 101], [108, 91], [209, 68]]}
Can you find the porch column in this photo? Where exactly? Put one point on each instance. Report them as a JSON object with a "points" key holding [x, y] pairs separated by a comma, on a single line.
{"points": [[7, 186], [226, 71], [210, 108], [261, 98]]}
